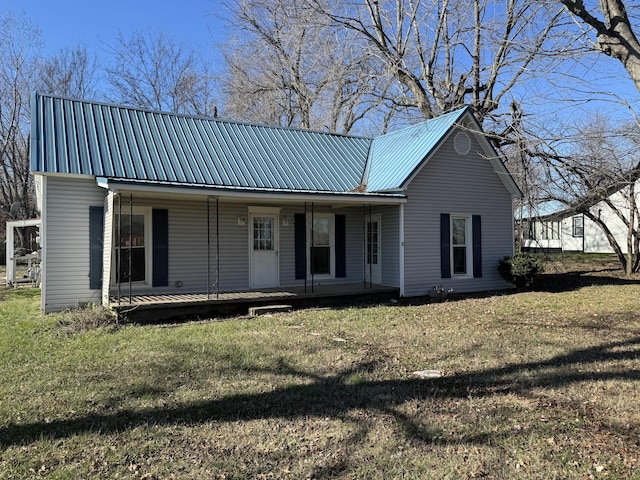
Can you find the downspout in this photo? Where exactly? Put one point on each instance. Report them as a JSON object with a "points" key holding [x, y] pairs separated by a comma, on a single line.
{"points": [[401, 268]]}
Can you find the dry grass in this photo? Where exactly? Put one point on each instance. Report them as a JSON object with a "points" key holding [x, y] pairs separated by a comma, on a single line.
{"points": [[538, 384]]}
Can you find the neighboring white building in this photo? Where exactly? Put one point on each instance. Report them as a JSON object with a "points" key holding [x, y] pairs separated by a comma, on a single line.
{"points": [[567, 231]]}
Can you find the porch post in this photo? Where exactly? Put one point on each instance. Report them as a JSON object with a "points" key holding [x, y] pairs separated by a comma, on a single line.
{"points": [[370, 239], [305, 247], [312, 245], [119, 255], [208, 248], [130, 242], [364, 241], [217, 248], [107, 246]]}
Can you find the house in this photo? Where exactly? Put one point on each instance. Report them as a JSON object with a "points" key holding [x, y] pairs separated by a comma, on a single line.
{"points": [[136, 202], [569, 230]]}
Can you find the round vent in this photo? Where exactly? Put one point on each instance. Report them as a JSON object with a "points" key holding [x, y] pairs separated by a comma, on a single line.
{"points": [[462, 143]]}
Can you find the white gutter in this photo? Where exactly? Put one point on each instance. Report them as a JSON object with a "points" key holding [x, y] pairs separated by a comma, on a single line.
{"points": [[281, 196]]}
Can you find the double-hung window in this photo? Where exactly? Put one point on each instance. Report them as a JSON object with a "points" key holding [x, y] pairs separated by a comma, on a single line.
{"points": [[460, 245], [578, 226], [321, 249], [132, 247]]}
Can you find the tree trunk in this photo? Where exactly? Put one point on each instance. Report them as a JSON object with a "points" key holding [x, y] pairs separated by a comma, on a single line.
{"points": [[630, 230], [615, 34]]}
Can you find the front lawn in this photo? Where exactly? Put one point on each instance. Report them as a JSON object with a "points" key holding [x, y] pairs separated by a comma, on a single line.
{"points": [[540, 384]]}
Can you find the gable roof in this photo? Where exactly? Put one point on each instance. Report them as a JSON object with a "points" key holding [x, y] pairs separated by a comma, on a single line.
{"points": [[395, 156], [129, 144], [89, 138]]}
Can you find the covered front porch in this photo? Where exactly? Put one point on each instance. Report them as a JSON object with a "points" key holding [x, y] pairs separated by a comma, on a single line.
{"points": [[162, 306]]}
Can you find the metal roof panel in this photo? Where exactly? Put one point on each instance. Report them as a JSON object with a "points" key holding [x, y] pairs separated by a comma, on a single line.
{"points": [[91, 138]]}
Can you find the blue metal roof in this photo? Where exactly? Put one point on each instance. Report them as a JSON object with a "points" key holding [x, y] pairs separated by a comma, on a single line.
{"points": [[123, 143], [89, 138], [396, 156]]}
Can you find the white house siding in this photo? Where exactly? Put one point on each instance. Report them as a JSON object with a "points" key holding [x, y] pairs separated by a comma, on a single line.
{"points": [[66, 252], [190, 248], [455, 184], [595, 240], [354, 244], [390, 244]]}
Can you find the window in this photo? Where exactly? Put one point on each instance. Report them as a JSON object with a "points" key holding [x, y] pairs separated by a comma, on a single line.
{"points": [[578, 226], [131, 247], [460, 245], [372, 243], [263, 233], [321, 246]]}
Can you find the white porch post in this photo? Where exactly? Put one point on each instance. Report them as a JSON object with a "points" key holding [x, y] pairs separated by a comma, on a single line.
{"points": [[107, 246], [401, 249]]}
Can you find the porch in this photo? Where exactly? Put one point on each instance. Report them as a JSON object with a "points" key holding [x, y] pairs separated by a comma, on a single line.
{"points": [[162, 306]]}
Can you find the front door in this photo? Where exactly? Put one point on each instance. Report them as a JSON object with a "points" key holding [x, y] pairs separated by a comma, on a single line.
{"points": [[373, 244], [264, 250]]}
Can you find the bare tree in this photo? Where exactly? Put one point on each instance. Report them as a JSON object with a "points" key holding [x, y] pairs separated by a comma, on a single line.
{"points": [[594, 169], [614, 32], [287, 67], [150, 70], [451, 53], [72, 72], [20, 43]]}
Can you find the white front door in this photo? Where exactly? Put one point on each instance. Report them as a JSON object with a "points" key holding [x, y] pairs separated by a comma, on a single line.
{"points": [[263, 247], [373, 244]]}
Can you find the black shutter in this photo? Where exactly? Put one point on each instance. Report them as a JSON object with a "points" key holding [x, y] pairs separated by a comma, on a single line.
{"points": [[96, 238], [341, 246], [160, 236], [300, 245], [477, 246], [445, 245]]}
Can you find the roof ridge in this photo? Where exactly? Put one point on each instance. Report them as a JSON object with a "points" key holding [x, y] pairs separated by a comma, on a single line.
{"points": [[199, 117], [454, 113]]}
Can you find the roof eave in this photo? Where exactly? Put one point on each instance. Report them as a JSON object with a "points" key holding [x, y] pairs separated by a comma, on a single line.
{"points": [[119, 185]]}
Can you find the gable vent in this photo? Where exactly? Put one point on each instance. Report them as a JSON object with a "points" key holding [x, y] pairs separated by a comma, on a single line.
{"points": [[462, 143]]}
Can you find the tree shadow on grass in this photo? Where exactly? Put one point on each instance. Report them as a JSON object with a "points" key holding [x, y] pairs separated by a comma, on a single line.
{"points": [[335, 397]]}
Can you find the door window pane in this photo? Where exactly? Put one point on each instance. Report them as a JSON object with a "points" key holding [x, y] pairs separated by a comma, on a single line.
{"points": [[263, 233], [372, 243]]}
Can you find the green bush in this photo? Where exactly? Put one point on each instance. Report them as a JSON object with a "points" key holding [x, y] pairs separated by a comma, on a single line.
{"points": [[521, 269]]}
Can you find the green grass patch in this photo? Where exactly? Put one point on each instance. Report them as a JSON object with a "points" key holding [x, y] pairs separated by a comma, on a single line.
{"points": [[538, 384]]}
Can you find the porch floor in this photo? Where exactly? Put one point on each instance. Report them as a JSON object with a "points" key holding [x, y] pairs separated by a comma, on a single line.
{"points": [[167, 305]]}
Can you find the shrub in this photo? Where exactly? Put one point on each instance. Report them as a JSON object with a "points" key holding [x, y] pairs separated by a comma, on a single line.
{"points": [[521, 269]]}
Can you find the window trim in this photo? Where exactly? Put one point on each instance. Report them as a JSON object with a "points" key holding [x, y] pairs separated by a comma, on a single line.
{"points": [[148, 246], [468, 245], [575, 227], [332, 244]]}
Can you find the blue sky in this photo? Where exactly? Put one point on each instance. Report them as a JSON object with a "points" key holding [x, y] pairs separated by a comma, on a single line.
{"points": [[65, 23]]}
